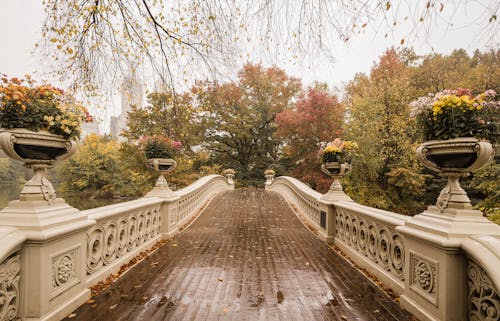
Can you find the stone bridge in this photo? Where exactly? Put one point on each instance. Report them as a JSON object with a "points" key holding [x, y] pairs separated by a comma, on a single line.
{"points": [[284, 253]]}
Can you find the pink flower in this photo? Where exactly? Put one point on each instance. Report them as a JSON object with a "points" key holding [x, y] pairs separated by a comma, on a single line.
{"points": [[176, 144]]}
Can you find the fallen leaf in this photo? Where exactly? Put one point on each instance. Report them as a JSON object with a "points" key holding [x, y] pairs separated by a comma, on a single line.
{"points": [[90, 301], [113, 306]]}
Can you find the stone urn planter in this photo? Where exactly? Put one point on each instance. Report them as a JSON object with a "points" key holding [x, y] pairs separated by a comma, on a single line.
{"points": [[229, 174], [454, 158], [162, 166], [336, 170], [269, 175], [38, 151]]}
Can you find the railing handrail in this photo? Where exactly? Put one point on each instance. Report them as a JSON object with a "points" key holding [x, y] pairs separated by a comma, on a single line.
{"points": [[108, 211], [198, 184], [11, 239], [306, 190], [485, 250], [392, 218], [388, 217]]}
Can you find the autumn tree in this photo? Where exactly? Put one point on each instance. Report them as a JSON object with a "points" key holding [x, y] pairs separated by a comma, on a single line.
{"points": [[239, 117], [93, 170], [103, 168], [385, 174], [436, 72], [316, 117], [165, 114]]}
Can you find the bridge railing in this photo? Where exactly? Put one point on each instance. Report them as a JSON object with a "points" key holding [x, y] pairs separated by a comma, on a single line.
{"points": [[306, 202], [121, 232], [483, 278], [12, 242], [443, 267], [370, 238], [194, 197], [51, 253]]}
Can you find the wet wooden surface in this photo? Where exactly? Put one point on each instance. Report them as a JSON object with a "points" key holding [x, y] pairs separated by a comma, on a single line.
{"points": [[247, 257]]}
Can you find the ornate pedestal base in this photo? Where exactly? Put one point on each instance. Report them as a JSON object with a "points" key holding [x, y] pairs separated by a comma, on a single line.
{"points": [[336, 171], [162, 190]]}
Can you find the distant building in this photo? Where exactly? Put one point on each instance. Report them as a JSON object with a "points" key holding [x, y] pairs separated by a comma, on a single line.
{"points": [[131, 94]]}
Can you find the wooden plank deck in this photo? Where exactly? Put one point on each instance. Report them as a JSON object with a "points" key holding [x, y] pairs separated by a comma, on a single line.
{"points": [[247, 257]]}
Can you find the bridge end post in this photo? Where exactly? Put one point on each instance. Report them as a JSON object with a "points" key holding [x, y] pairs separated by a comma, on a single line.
{"points": [[169, 213], [436, 280], [53, 259]]}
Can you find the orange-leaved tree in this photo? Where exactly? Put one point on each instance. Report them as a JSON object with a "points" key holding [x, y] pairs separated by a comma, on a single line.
{"points": [[317, 117]]}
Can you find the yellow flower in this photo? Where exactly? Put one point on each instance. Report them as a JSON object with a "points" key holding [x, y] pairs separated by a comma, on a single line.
{"points": [[332, 149]]}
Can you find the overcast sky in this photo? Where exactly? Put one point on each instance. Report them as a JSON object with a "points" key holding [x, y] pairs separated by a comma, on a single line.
{"points": [[21, 20]]}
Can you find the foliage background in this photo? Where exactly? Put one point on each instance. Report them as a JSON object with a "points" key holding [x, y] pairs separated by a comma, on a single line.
{"points": [[267, 119]]}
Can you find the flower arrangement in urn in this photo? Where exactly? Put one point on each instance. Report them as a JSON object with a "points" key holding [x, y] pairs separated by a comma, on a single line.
{"points": [[457, 113], [159, 151], [159, 146], [336, 157], [40, 107], [38, 124], [456, 126], [338, 151]]}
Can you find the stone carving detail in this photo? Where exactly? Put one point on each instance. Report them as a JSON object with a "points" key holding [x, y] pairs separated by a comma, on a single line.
{"points": [[9, 287], [424, 276], [484, 299], [378, 242], [64, 268], [111, 239]]}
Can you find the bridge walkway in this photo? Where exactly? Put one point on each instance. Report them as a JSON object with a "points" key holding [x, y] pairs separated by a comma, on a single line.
{"points": [[247, 257]]}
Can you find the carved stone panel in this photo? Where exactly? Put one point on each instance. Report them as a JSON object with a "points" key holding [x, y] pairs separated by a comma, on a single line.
{"points": [[484, 299], [424, 276], [9, 287], [64, 270], [378, 242], [113, 238]]}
